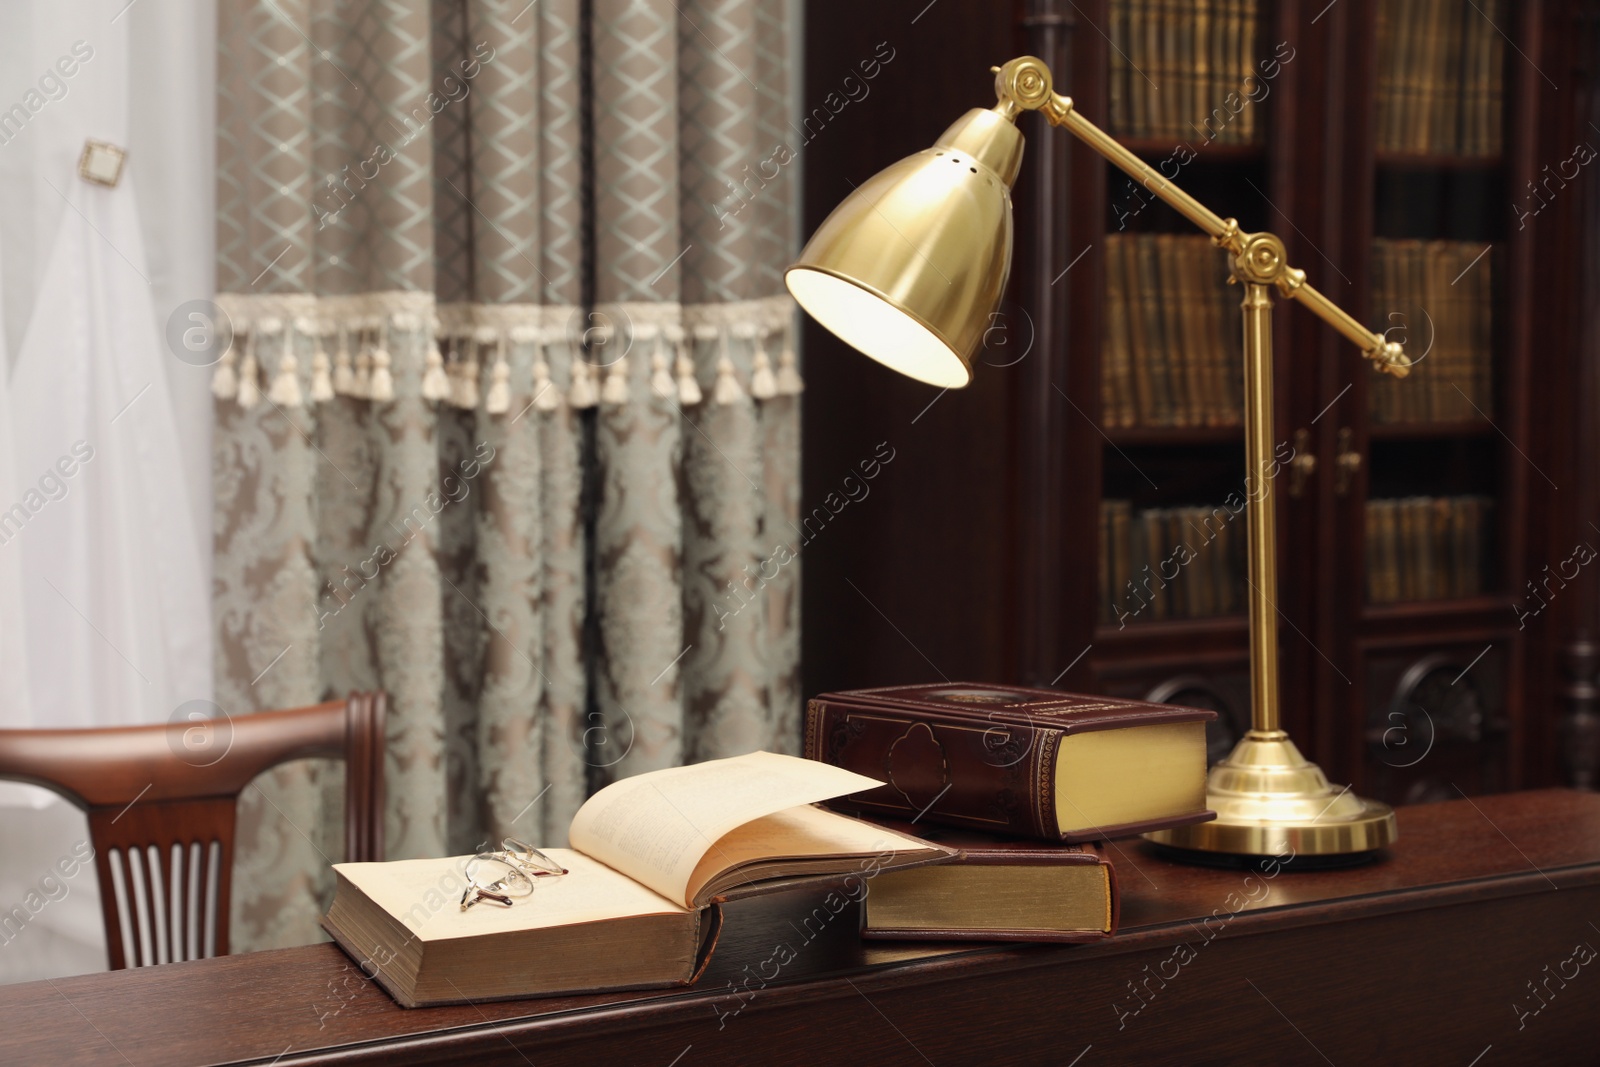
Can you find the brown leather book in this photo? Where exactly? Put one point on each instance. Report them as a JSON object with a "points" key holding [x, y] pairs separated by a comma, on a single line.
{"points": [[1000, 889], [1008, 759]]}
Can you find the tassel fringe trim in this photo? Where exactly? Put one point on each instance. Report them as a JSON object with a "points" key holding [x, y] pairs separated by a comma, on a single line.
{"points": [[297, 349]]}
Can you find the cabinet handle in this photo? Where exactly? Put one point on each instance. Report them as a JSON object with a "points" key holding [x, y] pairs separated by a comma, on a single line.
{"points": [[1348, 462], [1303, 465]]}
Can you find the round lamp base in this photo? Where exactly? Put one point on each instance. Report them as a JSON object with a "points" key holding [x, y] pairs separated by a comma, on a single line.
{"points": [[1271, 801]]}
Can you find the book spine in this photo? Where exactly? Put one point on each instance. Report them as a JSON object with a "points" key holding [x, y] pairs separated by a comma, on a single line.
{"points": [[1104, 572], [1121, 562], [1420, 395], [1117, 87], [1496, 63], [1455, 83], [1249, 29], [1155, 582], [1140, 58], [1169, 89], [1199, 61], [1374, 592], [1380, 388], [1187, 296], [1139, 339], [1160, 343], [1383, 123], [1168, 521], [1115, 387], [1180, 353]]}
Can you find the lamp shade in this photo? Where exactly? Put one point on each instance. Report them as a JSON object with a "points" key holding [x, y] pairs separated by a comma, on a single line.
{"points": [[910, 268]]}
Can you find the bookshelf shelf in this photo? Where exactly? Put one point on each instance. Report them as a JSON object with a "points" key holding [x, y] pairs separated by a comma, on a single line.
{"points": [[1410, 611], [1414, 431], [1435, 161], [1154, 150], [1224, 635], [1488, 620], [1141, 436]]}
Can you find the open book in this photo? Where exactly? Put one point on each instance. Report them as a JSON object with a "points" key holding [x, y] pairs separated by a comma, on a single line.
{"points": [[650, 858]]}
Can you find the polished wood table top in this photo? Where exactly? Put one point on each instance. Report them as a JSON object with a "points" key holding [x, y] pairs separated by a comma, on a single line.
{"points": [[1522, 860]]}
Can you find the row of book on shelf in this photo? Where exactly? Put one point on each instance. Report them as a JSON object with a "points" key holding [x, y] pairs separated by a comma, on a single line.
{"points": [[1172, 340], [1173, 332], [1437, 298], [1427, 547], [1441, 77], [1170, 563], [1193, 71], [924, 837], [1189, 562], [1186, 69]]}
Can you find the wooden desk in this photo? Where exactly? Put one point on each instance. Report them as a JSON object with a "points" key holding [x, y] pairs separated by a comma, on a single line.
{"points": [[1423, 957]]}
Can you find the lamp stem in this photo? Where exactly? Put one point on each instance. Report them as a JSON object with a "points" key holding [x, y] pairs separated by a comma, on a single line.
{"points": [[1262, 566]]}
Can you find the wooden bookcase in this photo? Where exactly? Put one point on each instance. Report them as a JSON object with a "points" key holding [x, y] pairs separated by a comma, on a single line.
{"points": [[1408, 700]]}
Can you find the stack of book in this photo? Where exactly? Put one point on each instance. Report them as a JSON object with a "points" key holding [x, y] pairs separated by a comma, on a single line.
{"points": [[1441, 77], [1172, 334], [1170, 563], [1179, 70], [1436, 297], [1027, 783], [1427, 547]]}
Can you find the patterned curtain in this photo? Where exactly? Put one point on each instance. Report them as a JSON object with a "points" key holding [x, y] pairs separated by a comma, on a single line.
{"points": [[508, 425]]}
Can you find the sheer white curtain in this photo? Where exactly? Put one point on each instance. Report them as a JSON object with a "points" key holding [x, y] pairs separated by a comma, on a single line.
{"points": [[106, 568]]}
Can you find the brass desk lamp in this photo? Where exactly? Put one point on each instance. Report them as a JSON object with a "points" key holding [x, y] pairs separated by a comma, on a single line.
{"points": [[909, 270]]}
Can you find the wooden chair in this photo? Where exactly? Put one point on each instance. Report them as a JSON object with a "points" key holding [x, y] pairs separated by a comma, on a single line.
{"points": [[162, 804]]}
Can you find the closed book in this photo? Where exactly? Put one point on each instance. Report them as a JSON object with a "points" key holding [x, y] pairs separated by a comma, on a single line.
{"points": [[1123, 603], [1186, 352], [1460, 519], [1172, 562], [1393, 583], [1409, 544], [1250, 19], [1385, 91], [1203, 589], [652, 858], [1155, 579], [1168, 71], [1013, 760], [1181, 22], [1160, 341], [1450, 120], [1374, 582], [1442, 261], [1199, 59], [1141, 59], [1169, 303], [999, 889], [1105, 562], [1494, 106], [1117, 83], [1117, 403]]}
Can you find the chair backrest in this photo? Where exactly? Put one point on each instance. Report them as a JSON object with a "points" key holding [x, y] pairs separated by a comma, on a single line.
{"points": [[162, 803]]}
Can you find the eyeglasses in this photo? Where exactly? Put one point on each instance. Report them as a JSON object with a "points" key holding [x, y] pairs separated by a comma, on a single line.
{"points": [[522, 864]]}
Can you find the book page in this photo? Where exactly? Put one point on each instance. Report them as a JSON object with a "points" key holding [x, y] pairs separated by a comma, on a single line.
{"points": [[799, 833], [656, 827], [425, 896]]}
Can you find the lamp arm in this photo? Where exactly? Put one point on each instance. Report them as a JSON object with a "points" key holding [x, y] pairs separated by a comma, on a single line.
{"points": [[1024, 84]]}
